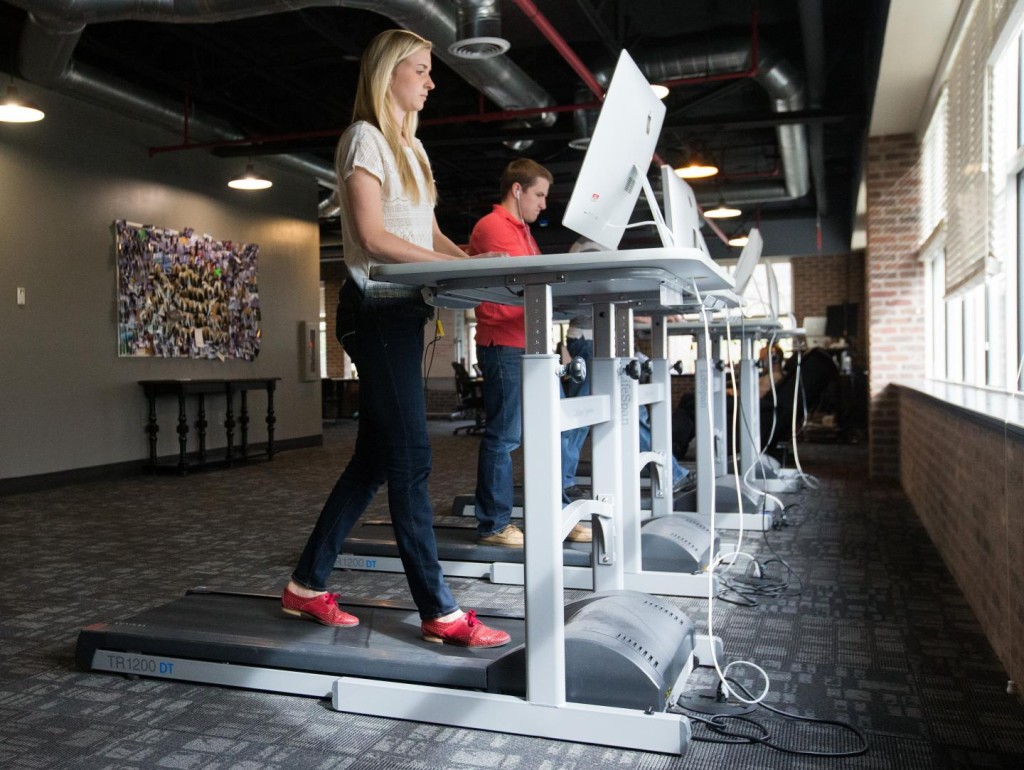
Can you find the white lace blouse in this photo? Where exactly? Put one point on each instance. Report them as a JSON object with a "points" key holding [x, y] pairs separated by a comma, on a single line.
{"points": [[363, 146]]}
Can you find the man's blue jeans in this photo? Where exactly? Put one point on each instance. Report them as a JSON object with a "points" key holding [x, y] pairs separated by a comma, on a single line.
{"points": [[392, 445], [679, 473], [503, 407], [573, 440]]}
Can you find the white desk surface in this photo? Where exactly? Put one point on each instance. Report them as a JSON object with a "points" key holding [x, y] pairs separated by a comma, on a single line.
{"points": [[656, 277]]}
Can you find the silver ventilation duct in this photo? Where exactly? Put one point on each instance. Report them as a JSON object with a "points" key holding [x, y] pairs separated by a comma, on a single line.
{"points": [[478, 29], [54, 27]]}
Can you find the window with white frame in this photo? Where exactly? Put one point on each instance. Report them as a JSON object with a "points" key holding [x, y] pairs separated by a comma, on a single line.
{"points": [[935, 303], [933, 238], [933, 172], [683, 348], [976, 336], [1005, 269], [323, 330]]}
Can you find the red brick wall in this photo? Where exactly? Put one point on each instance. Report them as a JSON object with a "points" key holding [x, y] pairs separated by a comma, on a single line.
{"points": [[964, 480], [895, 290], [832, 280]]}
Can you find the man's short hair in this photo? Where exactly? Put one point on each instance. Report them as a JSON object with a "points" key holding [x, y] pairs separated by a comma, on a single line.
{"points": [[524, 172]]}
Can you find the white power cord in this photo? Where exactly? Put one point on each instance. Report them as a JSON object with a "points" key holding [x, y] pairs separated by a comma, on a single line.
{"points": [[711, 567]]}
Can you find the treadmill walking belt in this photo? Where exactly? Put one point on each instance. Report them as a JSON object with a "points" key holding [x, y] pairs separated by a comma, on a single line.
{"points": [[456, 541], [251, 630]]}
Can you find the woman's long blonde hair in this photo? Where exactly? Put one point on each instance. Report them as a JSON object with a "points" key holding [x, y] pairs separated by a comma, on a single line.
{"points": [[373, 104]]}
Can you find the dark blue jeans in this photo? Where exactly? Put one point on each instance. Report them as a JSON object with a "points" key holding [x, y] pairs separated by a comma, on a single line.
{"points": [[573, 440], [392, 445], [503, 406], [679, 473]]}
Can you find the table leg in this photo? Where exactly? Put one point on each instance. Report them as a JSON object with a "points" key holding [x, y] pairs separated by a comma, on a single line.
{"points": [[243, 422], [201, 427], [271, 419], [229, 423], [152, 429], [182, 436]]}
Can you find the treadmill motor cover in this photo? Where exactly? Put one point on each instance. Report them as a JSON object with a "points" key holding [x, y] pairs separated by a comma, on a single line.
{"points": [[677, 543], [622, 649]]}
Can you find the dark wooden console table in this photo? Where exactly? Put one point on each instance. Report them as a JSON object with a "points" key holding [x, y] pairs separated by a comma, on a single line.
{"points": [[182, 389]]}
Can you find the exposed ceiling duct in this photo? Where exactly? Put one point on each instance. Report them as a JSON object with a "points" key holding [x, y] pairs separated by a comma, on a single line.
{"points": [[478, 30], [54, 27]]}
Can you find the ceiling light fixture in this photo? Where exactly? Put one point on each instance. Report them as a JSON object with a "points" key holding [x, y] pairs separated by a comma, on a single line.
{"points": [[696, 170], [15, 109], [659, 90], [739, 240], [250, 180], [721, 211]]}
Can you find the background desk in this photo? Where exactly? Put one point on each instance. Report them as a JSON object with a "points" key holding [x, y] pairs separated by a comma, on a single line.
{"points": [[182, 389]]}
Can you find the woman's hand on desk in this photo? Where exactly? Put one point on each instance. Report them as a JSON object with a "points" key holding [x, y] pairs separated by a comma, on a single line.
{"points": [[488, 254]]}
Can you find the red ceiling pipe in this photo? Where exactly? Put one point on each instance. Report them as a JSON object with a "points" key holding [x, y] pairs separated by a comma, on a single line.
{"points": [[540, 22], [480, 117]]}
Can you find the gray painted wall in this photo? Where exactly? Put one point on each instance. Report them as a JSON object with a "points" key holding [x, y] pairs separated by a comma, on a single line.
{"points": [[67, 401]]}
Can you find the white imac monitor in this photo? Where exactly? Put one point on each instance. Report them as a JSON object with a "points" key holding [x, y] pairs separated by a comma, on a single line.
{"points": [[618, 157], [748, 260], [774, 303], [681, 213]]}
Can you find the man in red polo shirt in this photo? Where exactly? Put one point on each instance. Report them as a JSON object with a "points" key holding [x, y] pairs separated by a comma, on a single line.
{"points": [[500, 343]]}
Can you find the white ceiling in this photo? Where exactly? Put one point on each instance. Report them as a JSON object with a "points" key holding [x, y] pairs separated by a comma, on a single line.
{"points": [[915, 39]]}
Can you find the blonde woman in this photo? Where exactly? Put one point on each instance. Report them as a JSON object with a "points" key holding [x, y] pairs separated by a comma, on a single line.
{"points": [[387, 196]]}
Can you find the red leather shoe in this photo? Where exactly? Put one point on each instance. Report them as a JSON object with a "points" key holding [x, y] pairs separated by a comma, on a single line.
{"points": [[467, 631], [323, 609]]}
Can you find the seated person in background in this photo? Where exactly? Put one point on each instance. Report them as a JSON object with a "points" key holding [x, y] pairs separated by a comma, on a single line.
{"points": [[501, 342]]}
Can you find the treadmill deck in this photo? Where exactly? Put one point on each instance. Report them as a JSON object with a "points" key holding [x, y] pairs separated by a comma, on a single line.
{"points": [[251, 630]]}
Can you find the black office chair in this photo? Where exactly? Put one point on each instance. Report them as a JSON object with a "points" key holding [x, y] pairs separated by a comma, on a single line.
{"points": [[471, 401]]}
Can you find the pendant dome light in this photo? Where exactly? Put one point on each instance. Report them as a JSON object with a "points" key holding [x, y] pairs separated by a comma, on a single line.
{"points": [[16, 109], [250, 180]]}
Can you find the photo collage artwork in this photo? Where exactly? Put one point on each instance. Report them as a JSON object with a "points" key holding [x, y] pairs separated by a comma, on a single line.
{"points": [[181, 295]]}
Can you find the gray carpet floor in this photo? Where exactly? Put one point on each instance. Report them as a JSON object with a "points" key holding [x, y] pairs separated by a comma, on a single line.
{"points": [[864, 625]]}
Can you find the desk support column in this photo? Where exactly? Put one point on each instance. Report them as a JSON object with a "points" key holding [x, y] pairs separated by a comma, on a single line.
{"points": [[606, 444], [661, 417], [626, 412], [720, 431], [705, 435], [545, 610], [750, 426]]}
